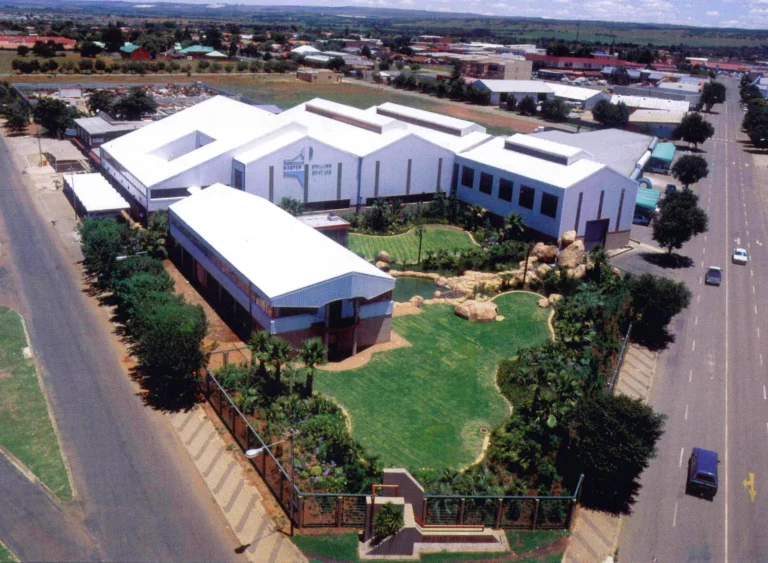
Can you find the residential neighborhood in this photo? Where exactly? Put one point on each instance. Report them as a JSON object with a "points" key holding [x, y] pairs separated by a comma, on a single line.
{"points": [[285, 285]]}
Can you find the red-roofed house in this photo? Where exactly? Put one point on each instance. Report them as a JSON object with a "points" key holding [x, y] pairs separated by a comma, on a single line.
{"points": [[728, 67], [583, 63], [13, 41]]}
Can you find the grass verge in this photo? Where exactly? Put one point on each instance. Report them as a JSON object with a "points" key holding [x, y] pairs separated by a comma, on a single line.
{"points": [[6, 555], [343, 548], [26, 429], [425, 405], [405, 248]]}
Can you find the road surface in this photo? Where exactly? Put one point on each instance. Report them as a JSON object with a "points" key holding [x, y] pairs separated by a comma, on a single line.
{"points": [[139, 495], [711, 382]]}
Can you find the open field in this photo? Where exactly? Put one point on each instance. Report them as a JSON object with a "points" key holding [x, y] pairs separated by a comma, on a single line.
{"points": [[286, 91], [425, 405], [343, 547], [26, 430], [405, 248]]}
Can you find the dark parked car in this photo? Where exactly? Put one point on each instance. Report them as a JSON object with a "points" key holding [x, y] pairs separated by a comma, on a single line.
{"points": [[714, 276], [702, 473]]}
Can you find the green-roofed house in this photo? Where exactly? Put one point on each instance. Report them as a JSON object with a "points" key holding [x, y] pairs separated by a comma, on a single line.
{"points": [[196, 51], [661, 158], [134, 52]]}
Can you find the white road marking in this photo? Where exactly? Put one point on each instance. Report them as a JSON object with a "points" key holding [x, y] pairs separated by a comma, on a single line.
{"points": [[748, 245], [698, 298], [765, 397], [751, 273], [693, 348], [753, 289], [690, 375], [761, 359], [686, 406], [725, 324], [758, 332], [747, 233], [681, 457], [696, 322], [703, 250], [705, 238], [702, 263], [755, 309], [674, 517]]}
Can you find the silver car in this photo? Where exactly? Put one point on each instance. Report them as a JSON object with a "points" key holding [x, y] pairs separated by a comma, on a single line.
{"points": [[739, 256]]}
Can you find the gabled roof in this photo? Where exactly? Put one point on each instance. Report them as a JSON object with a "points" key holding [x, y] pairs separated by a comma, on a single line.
{"points": [[129, 48], [196, 49], [288, 262], [521, 86]]}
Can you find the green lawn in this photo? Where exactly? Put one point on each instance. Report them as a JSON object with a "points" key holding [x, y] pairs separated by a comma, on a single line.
{"points": [[343, 547], [6, 556], [26, 429], [424, 406], [405, 247]]}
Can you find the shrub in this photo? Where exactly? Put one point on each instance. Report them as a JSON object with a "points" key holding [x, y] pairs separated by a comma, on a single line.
{"points": [[387, 522]]}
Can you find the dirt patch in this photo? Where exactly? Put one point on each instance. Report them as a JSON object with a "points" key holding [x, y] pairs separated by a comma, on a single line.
{"points": [[395, 341], [4, 374]]}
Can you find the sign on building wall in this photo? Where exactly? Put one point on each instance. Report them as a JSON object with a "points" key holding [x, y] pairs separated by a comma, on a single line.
{"points": [[295, 167]]}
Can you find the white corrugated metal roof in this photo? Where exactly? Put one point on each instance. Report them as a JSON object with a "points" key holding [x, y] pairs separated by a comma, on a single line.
{"points": [[493, 153], [574, 92], [289, 263], [651, 103], [95, 193], [427, 118], [521, 86], [656, 116]]}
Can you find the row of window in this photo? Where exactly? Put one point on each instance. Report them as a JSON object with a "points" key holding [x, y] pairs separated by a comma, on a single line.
{"points": [[525, 199]]}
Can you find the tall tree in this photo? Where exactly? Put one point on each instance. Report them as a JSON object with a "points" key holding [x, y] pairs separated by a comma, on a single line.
{"points": [[712, 93], [16, 115], [135, 104], [527, 106], [680, 219], [689, 169], [90, 49], [611, 115], [112, 37], [212, 37], [312, 354], [693, 129], [100, 100], [556, 110], [55, 115]]}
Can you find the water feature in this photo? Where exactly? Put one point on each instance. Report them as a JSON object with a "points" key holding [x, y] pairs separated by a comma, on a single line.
{"points": [[408, 286]]}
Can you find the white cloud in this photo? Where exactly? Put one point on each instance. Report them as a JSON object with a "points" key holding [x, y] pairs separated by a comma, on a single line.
{"points": [[713, 13]]}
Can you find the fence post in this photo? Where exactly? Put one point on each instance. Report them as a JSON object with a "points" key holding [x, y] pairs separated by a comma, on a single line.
{"points": [[535, 513], [462, 505], [221, 401], [301, 511], [571, 515], [234, 428], [282, 488], [499, 512], [424, 510], [264, 465], [339, 510]]}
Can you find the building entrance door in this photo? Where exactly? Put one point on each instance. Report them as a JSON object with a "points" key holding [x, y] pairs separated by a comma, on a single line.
{"points": [[594, 233]]}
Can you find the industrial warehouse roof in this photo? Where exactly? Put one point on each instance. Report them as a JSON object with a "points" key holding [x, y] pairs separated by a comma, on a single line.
{"points": [[575, 92], [621, 150], [656, 116], [665, 152], [99, 126], [647, 199], [521, 86], [496, 153], [415, 116], [95, 193], [289, 263], [304, 50], [651, 103], [196, 49]]}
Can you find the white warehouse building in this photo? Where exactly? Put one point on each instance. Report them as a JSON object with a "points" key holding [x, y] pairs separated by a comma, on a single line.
{"points": [[555, 187], [325, 154]]}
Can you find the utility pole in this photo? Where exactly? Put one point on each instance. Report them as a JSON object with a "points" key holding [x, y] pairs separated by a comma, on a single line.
{"points": [[578, 30], [39, 146]]}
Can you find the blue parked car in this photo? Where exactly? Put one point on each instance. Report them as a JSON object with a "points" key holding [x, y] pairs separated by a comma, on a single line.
{"points": [[702, 473]]}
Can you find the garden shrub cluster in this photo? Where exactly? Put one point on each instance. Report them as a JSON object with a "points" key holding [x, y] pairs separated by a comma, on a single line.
{"points": [[104, 66], [165, 332], [277, 397]]}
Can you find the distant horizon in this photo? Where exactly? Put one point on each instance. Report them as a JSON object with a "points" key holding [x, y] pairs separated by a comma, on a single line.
{"points": [[749, 14]]}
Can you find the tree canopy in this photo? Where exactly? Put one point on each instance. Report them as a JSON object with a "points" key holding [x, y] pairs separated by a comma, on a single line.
{"points": [[756, 122], [90, 49], [17, 115], [693, 129], [112, 37], [100, 100], [611, 115], [689, 169], [556, 110], [680, 219], [134, 104], [55, 115], [712, 93], [527, 106]]}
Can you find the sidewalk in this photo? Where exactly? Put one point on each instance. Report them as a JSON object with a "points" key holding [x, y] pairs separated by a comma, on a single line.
{"points": [[240, 501], [595, 537]]}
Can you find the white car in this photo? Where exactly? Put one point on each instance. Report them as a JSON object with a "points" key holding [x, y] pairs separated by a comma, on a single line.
{"points": [[740, 256]]}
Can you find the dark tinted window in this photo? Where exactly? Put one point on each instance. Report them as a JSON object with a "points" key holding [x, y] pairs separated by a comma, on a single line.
{"points": [[238, 179], [549, 205], [467, 177], [706, 478], [526, 197], [505, 190], [454, 178], [486, 183]]}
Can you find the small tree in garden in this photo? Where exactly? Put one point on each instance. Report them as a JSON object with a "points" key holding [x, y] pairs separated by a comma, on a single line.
{"points": [[17, 116], [387, 522], [556, 110], [420, 234], [680, 219], [527, 106], [292, 206], [511, 102], [312, 354], [689, 169], [513, 227]]}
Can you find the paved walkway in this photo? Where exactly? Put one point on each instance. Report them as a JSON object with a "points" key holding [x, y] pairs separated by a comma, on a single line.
{"points": [[595, 537], [239, 500]]}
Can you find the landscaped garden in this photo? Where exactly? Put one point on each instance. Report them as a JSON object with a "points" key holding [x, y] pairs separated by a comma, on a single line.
{"points": [[404, 248], [424, 406]]}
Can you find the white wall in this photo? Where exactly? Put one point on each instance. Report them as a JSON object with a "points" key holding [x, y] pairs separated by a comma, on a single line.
{"points": [[609, 181], [323, 173], [393, 168]]}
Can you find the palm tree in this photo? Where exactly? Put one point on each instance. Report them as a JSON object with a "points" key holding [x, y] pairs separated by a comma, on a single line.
{"points": [[513, 226], [260, 345], [420, 234], [279, 356], [312, 354]]}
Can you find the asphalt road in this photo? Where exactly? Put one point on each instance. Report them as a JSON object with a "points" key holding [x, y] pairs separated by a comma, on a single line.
{"points": [[138, 494], [711, 382]]}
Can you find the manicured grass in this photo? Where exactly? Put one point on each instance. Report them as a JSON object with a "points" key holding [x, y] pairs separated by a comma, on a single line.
{"points": [[343, 547], [424, 405], [405, 248], [6, 556], [26, 429]]}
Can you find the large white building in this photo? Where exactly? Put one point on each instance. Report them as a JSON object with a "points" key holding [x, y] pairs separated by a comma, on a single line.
{"points": [[325, 154], [554, 186], [266, 270]]}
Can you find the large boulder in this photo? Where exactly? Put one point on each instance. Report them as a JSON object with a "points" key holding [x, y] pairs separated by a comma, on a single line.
{"points": [[416, 300], [554, 298], [579, 271], [567, 239], [572, 256], [383, 266], [383, 256], [543, 269], [545, 253], [477, 311], [543, 303]]}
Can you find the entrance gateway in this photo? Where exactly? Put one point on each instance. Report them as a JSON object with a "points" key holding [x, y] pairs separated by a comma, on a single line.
{"points": [[595, 233]]}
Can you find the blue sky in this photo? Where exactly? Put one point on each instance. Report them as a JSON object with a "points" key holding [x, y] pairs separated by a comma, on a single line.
{"points": [[705, 13]]}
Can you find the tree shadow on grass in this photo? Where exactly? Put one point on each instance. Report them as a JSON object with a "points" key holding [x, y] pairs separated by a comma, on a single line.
{"points": [[667, 261], [165, 394]]}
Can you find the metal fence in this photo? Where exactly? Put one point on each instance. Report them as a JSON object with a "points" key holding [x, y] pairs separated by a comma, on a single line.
{"points": [[620, 362], [332, 510]]}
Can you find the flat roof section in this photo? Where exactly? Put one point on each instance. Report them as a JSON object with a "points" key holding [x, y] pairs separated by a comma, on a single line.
{"points": [[428, 119], [664, 151], [95, 193], [288, 262], [647, 199]]}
